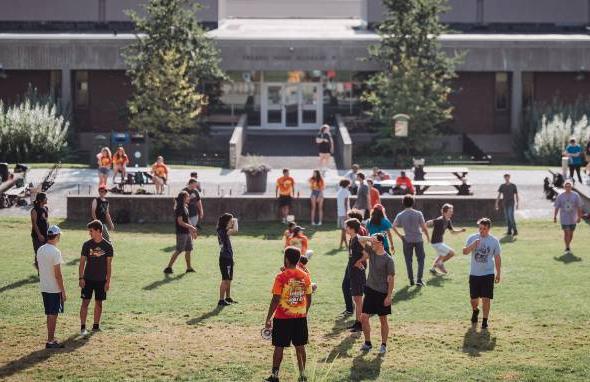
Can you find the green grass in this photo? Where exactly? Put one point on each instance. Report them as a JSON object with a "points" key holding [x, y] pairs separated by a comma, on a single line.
{"points": [[156, 328]]}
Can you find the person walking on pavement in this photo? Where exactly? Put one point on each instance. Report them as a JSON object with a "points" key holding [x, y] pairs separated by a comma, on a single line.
{"points": [[509, 195]]}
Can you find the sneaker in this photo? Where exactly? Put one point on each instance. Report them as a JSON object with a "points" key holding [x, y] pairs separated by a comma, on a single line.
{"points": [[223, 303], [474, 316], [272, 378], [84, 333], [96, 329], [231, 300], [515, 233], [366, 347], [508, 233], [484, 325], [412, 283], [190, 270], [441, 267], [382, 349], [319, 223], [433, 271], [346, 313], [168, 270], [420, 283], [54, 345], [357, 327]]}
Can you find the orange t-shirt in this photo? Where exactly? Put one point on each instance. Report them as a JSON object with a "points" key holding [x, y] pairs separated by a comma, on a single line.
{"points": [[285, 185], [293, 285], [299, 241], [404, 180], [375, 197], [160, 170], [317, 186], [120, 159], [105, 161]]}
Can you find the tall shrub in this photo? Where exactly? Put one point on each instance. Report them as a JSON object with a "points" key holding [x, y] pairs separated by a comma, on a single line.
{"points": [[550, 141]]}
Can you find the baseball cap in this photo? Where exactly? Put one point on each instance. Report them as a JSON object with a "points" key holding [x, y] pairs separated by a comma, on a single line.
{"points": [[53, 230], [298, 228]]}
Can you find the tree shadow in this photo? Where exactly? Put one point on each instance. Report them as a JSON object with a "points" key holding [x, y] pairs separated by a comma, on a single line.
{"points": [[167, 279], [475, 343], [567, 258], [340, 325], [363, 369], [32, 279], [72, 343], [507, 239], [436, 281], [406, 293], [341, 350], [205, 316]]}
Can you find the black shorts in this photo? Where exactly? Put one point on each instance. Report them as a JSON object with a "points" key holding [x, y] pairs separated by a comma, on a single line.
{"points": [[97, 287], [226, 266], [373, 303], [52, 303], [324, 148], [285, 200], [481, 286], [36, 243], [290, 330], [358, 279]]}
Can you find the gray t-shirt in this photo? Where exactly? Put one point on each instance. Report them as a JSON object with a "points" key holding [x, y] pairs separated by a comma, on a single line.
{"points": [[411, 221], [568, 205], [508, 191], [482, 257], [361, 197], [380, 266]]}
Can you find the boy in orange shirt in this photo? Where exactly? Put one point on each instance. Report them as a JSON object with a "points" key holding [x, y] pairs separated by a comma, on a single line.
{"points": [[284, 192], [374, 195], [298, 240]]}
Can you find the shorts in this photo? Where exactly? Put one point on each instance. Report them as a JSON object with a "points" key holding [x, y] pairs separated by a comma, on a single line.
{"points": [[285, 200], [289, 331], [373, 303], [226, 266], [103, 171], [481, 286], [317, 194], [97, 287], [184, 242], [441, 249], [568, 227], [340, 222], [36, 244], [358, 279], [324, 148], [52, 303], [193, 220]]}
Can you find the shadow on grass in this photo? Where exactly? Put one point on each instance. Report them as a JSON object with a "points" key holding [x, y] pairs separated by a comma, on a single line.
{"points": [[474, 342], [169, 249], [366, 370], [567, 258], [72, 343], [205, 316], [341, 350], [73, 261], [405, 294], [340, 325], [335, 251], [32, 279], [436, 281], [508, 239], [167, 279]]}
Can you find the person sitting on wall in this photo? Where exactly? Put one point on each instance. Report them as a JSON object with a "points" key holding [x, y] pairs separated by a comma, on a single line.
{"points": [[159, 174], [382, 175], [403, 185]]}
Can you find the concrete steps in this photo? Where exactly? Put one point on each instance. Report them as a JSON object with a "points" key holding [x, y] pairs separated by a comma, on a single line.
{"points": [[292, 162]]}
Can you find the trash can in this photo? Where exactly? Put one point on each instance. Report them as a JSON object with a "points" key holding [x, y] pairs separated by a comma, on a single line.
{"points": [[119, 139], [138, 149]]}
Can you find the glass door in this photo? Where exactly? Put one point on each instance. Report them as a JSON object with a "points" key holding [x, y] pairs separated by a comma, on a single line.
{"points": [[291, 101], [292, 105], [311, 104], [273, 111]]}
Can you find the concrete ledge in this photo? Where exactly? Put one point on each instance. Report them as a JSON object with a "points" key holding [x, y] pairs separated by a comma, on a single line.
{"points": [[261, 208]]}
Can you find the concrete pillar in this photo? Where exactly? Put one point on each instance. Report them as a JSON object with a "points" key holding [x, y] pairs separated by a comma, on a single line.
{"points": [[66, 90], [516, 105]]}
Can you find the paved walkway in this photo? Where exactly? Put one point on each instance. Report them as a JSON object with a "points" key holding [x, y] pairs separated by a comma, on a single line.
{"points": [[222, 181]]}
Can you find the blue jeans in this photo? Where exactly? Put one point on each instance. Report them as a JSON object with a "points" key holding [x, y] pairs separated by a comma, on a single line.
{"points": [[346, 290], [409, 249], [509, 215]]}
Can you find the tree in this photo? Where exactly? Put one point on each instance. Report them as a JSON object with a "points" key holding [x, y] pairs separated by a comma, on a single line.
{"points": [[169, 64], [416, 76]]}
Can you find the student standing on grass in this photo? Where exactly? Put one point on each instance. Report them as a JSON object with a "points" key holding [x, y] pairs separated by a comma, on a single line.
{"points": [[379, 223], [356, 270], [298, 240], [317, 186], [346, 291], [510, 202], [485, 256], [185, 233], [226, 225], [363, 199], [39, 223], [378, 291], [287, 313], [285, 192], [94, 274], [195, 205], [412, 221], [439, 226], [51, 283], [342, 206], [569, 205], [100, 211]]}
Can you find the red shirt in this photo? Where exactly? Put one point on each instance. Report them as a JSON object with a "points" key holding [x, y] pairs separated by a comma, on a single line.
{"points": [[375, 197], [293, 285], [404, 180]]}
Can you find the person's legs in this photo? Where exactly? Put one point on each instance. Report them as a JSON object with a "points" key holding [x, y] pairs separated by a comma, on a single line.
{"points": [[277, 358], [313, 204], [346, 291], [84, 311], [228, 289], [486, 302], [187, 257], [508, 221], [97, 311], [571, 167], [301, 358], [342, 238], [173, 258], [384, 329], [408, 249], [51, 322], [447, 257], [434, 263], [320, 209], [358, 307], [578, 172], [421, 257], [567, 237], [366, 327]]}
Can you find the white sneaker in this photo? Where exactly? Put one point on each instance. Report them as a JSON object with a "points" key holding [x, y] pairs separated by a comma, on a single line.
{"points": [[366, 347], [84, 333], [319, 223], [382, 349]]}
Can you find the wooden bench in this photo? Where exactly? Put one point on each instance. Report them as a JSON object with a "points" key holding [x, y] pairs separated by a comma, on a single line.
{"points": [[459, 172], [422, 186]]}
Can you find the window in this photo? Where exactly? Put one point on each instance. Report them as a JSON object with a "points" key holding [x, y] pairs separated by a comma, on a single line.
{"points": [[81, 93], [528, 89], [502, 91]]}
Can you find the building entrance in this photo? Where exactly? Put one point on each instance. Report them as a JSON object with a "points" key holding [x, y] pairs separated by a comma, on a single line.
{"points": [[291, 105]]}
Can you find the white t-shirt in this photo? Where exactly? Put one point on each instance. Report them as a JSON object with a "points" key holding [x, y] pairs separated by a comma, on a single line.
{"points": [[341, 196], [48, 256]]}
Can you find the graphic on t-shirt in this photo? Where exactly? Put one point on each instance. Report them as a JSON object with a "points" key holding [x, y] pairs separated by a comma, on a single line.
{"points": [[568, 206], [96, 252], [481, 254], [292, 286]]}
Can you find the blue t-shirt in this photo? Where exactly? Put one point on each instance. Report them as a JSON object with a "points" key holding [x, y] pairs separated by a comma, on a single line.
{"points": [[482, 258], [574, 149], [380, 228]]}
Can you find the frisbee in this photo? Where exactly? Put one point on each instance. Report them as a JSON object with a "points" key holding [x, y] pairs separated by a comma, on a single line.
{"points": [[266, 333]]}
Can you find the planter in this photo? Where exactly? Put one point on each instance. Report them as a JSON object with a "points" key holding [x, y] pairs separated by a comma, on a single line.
{"points": [[256, 181]]}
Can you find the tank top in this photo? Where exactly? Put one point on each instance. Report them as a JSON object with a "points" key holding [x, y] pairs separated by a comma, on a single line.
{"points": [[42, 224], [102, 207]]}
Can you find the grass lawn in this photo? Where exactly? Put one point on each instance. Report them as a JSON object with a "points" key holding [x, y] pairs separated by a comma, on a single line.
{"points": [[170, 328]]}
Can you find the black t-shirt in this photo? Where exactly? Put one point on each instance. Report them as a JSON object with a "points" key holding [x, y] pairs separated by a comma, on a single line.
{"points": [[102, 206], [225, 248], [193, 209], [42, 224], [439, 226], [355, 251], [96, 259], [182, 212], [324, 146], [588, 151]]}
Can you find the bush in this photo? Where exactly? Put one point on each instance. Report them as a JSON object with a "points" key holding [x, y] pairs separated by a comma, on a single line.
{"points": [[550, 141], [32, 131]]}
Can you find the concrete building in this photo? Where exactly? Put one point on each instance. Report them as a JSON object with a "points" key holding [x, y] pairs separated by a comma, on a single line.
{"points": [[296, 64]]}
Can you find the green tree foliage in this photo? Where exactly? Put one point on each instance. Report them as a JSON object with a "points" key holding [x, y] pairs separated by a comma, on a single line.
{"points": [[417, 74], [169, 63]]}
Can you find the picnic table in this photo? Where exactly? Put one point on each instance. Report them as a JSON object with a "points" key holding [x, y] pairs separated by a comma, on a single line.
{"points": [[459, 172], [422, 186]]}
